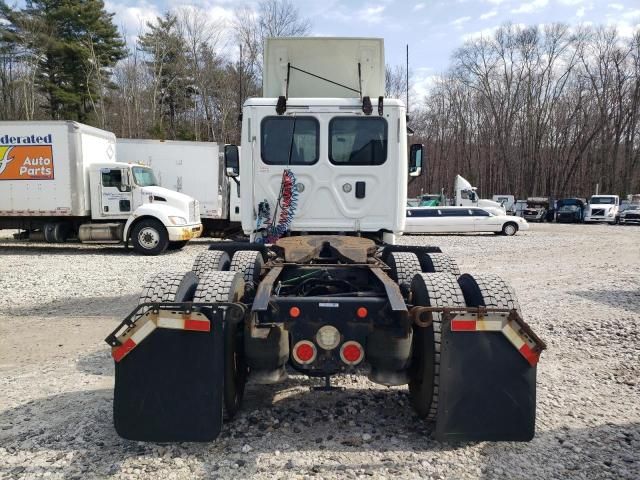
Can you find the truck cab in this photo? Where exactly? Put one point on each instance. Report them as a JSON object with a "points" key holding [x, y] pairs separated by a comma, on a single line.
{"points": [[129, 193], [467, 196], [602, 208], [348, 170]]}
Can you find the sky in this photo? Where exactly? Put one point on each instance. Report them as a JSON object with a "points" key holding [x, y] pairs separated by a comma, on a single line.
{"points": [[432, 29]]}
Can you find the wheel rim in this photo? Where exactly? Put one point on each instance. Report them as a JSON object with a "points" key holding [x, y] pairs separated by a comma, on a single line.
{"points": [[148, 238], [509, 230]]}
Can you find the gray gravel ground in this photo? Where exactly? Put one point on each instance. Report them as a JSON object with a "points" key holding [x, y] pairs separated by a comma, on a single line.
{"points": [[579, 288]]}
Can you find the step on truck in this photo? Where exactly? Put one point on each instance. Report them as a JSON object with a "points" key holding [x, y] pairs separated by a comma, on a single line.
{"points": [[59, 180], [323, 288]]}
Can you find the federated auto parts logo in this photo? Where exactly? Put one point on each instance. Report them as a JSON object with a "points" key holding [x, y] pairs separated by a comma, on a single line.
{"points": [[26, 162], [5, 159]]}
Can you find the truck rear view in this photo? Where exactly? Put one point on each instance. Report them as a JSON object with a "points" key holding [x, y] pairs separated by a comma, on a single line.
{"points": [[322, 288]]}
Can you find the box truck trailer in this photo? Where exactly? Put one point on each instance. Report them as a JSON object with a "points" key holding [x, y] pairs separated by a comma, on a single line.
{"points": [[195, 169], [59, 180]]}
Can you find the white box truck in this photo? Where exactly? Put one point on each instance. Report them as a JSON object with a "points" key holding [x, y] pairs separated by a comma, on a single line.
{"points": [[193, 168], [60, 180]]}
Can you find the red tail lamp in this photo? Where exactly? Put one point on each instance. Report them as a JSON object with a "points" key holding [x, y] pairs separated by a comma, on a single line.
{"points": [[362, 312], [304, 352], [294, 312], [351, 353]]}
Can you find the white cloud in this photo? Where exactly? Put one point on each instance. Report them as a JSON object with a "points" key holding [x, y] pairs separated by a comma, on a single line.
{"points": [[616, 6], [580, 12], [530, 7], [495, 2], [490, 14], [371, 14], [631, 14], [571, 2], [418, 6], [132, 20], [487, 32], [458, 22], [422, 81]]}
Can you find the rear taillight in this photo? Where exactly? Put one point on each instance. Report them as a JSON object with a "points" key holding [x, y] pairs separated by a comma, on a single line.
{"points": [[351, 353], [304, 352]]}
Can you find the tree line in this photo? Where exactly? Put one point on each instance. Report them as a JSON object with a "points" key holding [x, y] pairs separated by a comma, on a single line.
{"points": [[527, 111], [536, 111]]}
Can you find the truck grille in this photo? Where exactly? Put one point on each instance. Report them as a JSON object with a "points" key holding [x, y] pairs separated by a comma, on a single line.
{"points": [[597, 211], [633, 216]]}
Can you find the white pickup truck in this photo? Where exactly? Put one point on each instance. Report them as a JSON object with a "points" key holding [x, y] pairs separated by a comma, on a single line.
{"points": [[60, 180]]}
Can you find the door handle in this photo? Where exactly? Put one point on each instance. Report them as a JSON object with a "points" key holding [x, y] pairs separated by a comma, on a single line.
{"points": [[361, 189]]}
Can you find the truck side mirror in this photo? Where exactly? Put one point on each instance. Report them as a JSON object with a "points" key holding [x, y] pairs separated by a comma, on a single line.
{"points": [[415, 160], [231, 160], [125, 185]]}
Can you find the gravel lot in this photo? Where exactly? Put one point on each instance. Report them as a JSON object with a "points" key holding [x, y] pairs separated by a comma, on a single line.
{"points": [[579, 287]]}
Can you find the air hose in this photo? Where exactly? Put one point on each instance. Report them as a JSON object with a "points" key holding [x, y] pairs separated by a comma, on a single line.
{"points": [[284, 211]]}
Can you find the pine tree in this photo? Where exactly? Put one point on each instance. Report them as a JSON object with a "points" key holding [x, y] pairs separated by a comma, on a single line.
{"points": [[77, 44], [173, 87]]}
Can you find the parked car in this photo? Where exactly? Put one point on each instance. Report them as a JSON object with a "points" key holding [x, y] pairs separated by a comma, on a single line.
{"points": [[602, 208], [570, 210], [537, 209], [630, 215], [461, 219]]}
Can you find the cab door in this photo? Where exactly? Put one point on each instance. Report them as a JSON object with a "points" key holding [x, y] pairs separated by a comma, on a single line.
{"points": [[115, 192]]}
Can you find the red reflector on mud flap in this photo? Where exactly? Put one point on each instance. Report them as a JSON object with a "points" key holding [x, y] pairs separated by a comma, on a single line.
{"points": [[499, 322], [146, 324]]}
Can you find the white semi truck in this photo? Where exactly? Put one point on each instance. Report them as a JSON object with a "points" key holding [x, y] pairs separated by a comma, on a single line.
{"points": [[193, 168], [467, 196], [322, 289], [60, 180]]}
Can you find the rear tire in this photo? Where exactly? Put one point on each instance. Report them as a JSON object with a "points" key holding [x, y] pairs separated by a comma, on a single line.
{"points": [[249, 263], [435, 290], [211, 261], [439, 263], [149, 237], [169, 287], [488, 290], [404, 266], [228, 287]]}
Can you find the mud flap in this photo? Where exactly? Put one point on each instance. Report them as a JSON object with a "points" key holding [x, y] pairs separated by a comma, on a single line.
{"points": [[487, 389], [169, 388]]}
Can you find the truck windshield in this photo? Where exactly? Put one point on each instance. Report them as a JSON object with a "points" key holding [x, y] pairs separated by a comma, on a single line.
{"points": [[282, 137], [144, 177], [602, 200], [358, 141]]}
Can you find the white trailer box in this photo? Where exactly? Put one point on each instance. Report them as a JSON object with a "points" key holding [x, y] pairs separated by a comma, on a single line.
{"points": [[354, 66], [193, 168], [44, 167]]}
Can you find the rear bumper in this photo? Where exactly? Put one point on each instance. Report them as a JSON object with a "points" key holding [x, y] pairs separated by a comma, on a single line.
{"points": [[181, 233]]}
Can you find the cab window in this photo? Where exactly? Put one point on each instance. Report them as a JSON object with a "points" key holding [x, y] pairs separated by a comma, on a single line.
{"points": [[289, 140], [358, 141], [112, 178]]}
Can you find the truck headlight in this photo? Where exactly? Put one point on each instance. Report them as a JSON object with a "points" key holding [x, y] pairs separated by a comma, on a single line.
{"points": [[178, 220]]}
